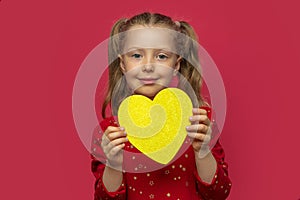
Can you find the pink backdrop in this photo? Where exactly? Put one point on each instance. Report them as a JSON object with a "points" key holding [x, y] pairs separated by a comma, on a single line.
{"points": [[254, 43]]}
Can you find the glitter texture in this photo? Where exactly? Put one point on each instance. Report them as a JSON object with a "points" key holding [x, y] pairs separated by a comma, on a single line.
{"points": [[157, 128]]}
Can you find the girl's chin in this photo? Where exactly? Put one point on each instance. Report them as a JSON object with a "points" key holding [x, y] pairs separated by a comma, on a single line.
{"points": [[147, 92]]}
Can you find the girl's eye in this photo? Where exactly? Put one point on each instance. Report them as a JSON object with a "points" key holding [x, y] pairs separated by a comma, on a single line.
{"points": [[136, 55], [162, 57]]}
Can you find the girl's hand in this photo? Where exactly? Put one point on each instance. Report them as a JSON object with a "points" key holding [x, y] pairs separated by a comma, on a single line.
{"points": [[112, 144], [200, 131]]}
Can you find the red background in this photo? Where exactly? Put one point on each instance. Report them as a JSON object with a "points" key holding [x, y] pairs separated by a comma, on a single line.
{"points": [[254, 43]]}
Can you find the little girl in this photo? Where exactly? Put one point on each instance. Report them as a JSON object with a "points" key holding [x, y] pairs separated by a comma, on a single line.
{"points": [[143, 61]]}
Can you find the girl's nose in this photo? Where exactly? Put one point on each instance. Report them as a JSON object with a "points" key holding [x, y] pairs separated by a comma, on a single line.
{"points": [[148, 67]]}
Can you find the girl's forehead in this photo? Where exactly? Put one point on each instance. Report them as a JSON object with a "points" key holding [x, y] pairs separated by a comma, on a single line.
{"points": [[141, 37]]}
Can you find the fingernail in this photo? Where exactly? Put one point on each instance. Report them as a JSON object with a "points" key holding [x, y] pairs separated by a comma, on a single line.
{"points": [[122, 128], [125, 133], [188, 128], [191, 118]]}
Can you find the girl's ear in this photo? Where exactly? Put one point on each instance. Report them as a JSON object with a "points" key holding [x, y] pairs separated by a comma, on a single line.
{"points": [[122, 66], [177, 64]]}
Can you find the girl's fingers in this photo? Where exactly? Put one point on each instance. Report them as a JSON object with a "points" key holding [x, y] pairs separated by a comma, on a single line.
{"points": [[104, 140], [199, 136], [200, 119], [115, 135], [108, 147], [116, 142], [197, 145], [112, 136], [111, 129], [199, 111], [115, 150], [113, 132], [197, 128]]}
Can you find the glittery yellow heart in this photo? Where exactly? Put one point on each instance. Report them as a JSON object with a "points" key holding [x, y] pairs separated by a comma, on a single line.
{"points": [[157, 128]]}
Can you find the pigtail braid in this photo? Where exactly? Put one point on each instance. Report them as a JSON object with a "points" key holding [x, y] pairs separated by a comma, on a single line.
{"points": [[191, 70], [114, 70]]}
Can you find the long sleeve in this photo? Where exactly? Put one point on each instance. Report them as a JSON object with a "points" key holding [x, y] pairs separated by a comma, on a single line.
{"points": [[98, 166], [100, 189], [220, 186]]}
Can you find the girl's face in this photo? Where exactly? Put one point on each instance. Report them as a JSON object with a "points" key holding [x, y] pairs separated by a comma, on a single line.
{"points": [[148, 62]]}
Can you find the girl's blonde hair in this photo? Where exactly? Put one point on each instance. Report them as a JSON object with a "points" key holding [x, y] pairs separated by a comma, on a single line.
{"points": [[192, 75]]}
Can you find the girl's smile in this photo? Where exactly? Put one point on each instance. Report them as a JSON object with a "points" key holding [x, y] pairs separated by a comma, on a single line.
{"points": [[148, 81]]}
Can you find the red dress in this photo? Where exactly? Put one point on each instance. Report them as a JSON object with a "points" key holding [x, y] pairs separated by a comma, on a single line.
{"points": [[177, 180]]}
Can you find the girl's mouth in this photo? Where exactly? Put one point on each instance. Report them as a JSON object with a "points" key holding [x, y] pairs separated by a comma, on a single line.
{"points": [[148, 81]]}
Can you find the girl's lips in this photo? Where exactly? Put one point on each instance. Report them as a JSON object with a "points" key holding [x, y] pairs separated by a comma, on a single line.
{"points": [[148, 81]]}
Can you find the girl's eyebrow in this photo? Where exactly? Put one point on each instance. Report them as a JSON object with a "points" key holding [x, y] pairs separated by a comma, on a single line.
{"points": [[133, 49], [164, 49], [155, 49]]}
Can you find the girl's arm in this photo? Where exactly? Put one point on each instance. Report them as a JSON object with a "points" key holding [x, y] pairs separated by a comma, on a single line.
{"points": [[113, 142], [206, 167], [112, 178], [211, 171], [109, 182], [218, 185], [101, 192]]}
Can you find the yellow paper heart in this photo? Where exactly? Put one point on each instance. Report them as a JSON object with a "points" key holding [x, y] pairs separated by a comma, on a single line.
{"points": [[157, 128]]}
